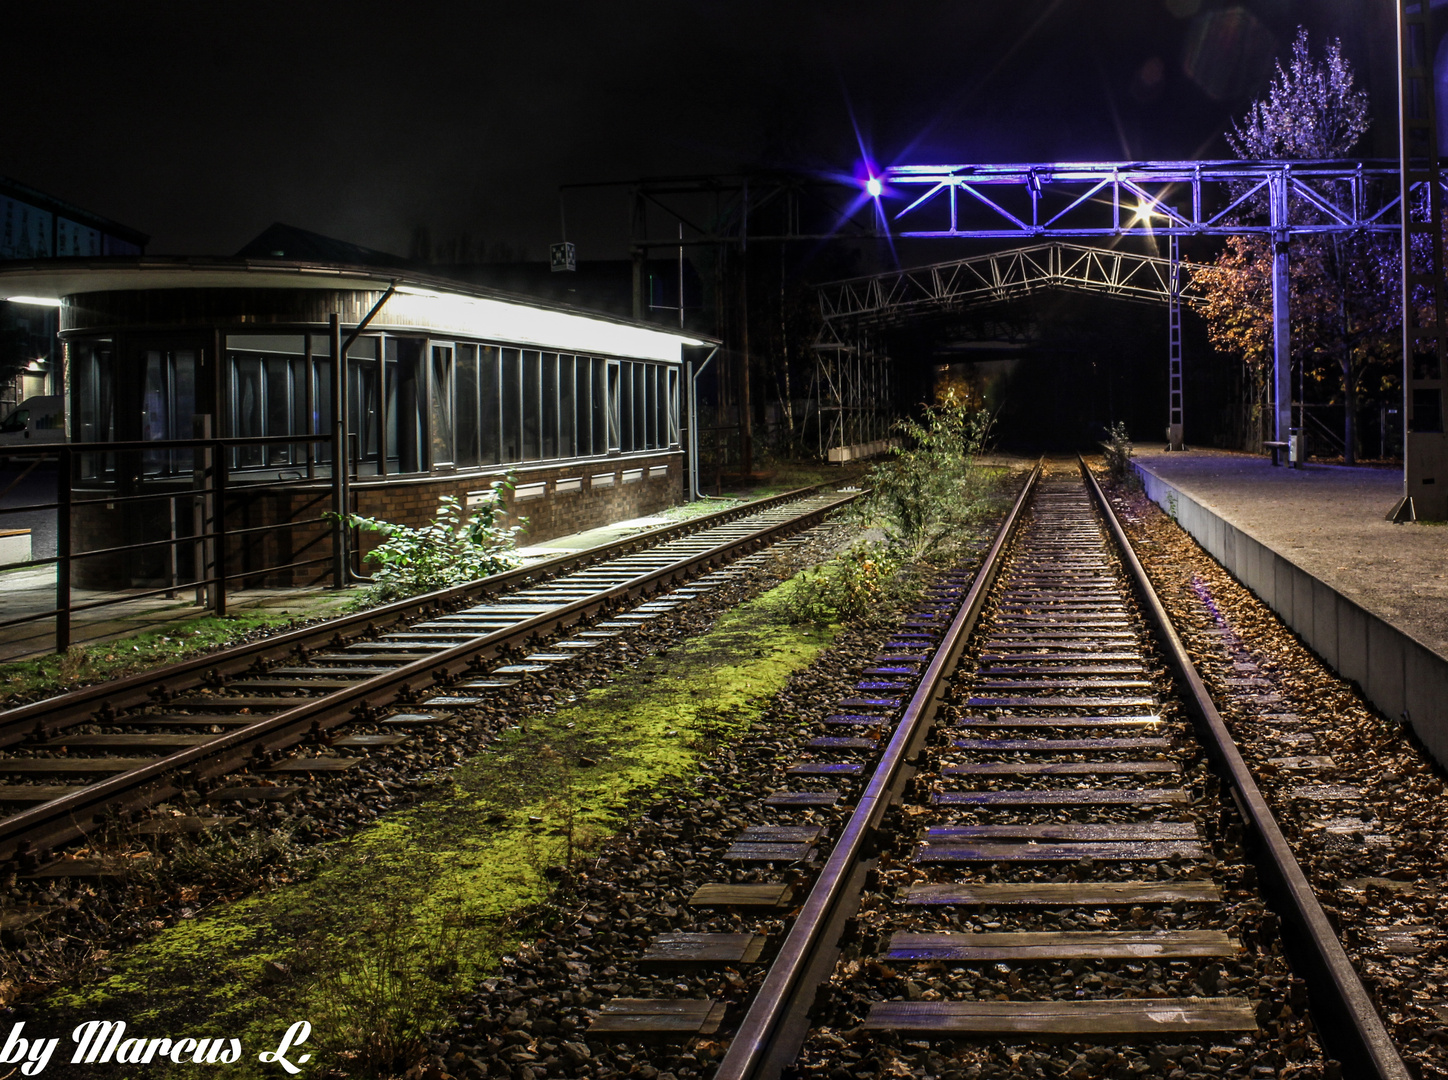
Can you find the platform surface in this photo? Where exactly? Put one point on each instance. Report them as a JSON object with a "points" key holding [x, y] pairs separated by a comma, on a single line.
{"points": [[1330, 520]]}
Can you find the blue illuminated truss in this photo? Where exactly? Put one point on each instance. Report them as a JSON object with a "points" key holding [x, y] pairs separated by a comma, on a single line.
{"points": [[1142, 198]]}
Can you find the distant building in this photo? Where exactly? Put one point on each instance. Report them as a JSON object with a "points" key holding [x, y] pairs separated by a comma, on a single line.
{"points": [[34, 225]]}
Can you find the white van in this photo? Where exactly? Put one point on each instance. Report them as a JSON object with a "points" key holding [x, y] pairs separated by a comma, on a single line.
{"points": [[34, 420]]}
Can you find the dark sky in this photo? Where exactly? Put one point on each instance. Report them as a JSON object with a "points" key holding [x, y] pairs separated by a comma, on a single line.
{"points": [[201, 123]]}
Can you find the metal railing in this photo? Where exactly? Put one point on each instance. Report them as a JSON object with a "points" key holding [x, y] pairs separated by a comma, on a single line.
{"points": [[201, 521]]}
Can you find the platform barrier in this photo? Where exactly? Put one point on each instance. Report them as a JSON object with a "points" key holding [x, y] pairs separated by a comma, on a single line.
{"points": [[1400, 675]]}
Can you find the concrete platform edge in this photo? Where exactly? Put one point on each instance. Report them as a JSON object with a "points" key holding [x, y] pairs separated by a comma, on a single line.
{"points": [[1402, 677]]}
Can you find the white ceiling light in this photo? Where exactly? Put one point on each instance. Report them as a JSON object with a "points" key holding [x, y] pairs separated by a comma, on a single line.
{"points": [[502, 321]]}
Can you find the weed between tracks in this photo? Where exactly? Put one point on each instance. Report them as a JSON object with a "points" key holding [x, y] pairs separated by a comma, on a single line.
{"points": [[399, 920]]}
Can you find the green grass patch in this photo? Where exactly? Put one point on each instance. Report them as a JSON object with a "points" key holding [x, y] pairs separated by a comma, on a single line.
{"points": [[399, 920], [105, 660]]}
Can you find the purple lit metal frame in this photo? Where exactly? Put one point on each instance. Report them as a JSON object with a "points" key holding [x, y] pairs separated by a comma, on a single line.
{"points": [[1123, 199], [1116, 199]]}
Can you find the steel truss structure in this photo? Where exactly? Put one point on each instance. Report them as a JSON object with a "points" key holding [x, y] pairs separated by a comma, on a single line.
{"points": [[1145, 198], [998, 276], [1277, 199], [852, 387], [852, 377], [1038, 202]]}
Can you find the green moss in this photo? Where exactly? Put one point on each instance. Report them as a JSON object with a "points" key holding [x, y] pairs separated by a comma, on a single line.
{"points": [[429, 897]]}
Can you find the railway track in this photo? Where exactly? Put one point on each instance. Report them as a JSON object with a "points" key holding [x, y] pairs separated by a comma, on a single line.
{"points": [[318, 700], [1052, 855]]}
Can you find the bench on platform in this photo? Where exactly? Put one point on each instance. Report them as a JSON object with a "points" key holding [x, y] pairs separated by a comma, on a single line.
{"points": [[1276, 448]]}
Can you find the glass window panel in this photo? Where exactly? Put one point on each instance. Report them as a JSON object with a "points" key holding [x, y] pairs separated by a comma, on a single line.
{"points": [[276, 344], [548, 405], [566, 446], [672, 399], [278, 411], [651, 409], [299, 418], [247, 398], [465, 376], [93, 414], [640, 408], [615, 404], [532, 406], [489, 422], [583, 404], [625, 407], [404, 404], [602, 399], [511, 408], [322, 405], [442, 405], [154, 409], [362, 406]]}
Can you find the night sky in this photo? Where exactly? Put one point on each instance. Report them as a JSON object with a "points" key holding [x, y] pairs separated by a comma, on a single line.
{"points": [[202, 123]]}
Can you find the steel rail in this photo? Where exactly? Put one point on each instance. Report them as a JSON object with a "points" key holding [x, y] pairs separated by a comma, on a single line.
{"points": [[754, 1040], [78, 706], [1355, 1025], [61, 819]]}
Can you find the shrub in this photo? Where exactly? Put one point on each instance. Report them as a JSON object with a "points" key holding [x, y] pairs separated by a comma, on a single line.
{"points": [[929, 491], [1117, 449], [854, 585], [450, 550]]}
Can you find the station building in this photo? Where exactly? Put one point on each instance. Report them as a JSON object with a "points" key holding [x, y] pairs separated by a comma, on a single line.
{"points": [[447, 387]]}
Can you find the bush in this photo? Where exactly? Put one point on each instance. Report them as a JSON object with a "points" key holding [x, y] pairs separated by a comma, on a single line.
{"points": [[928, 492], [450, 550], [1117, 450], [852, 586]]}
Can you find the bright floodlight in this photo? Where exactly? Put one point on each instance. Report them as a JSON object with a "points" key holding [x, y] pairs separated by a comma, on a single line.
{"points": [[41, 301], [873, 187]]}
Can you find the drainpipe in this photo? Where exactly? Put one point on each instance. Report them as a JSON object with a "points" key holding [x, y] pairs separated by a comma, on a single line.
{"points": [[341, 496], [692, 376]]}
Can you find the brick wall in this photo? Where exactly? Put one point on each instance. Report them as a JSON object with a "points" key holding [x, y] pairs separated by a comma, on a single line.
{"points": [[556, 500]]}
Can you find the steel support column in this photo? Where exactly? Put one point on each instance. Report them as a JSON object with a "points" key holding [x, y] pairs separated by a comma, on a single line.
{"points": [[1425, 341], [1281, 311]]}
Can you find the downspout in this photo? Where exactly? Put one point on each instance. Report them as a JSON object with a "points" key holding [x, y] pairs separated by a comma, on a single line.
{"points": [[693, 376], [341, 494]]}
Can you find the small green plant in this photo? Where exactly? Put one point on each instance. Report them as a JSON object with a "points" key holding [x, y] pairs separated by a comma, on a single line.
{"points": [[381, 993], [238, 863], [1171, 505], [1117, 449], [854, 585], [449, 550]]}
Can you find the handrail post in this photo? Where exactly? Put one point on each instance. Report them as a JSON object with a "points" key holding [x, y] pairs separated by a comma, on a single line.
{"points": [[62, 549], [203, 510], [218, 520]]}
